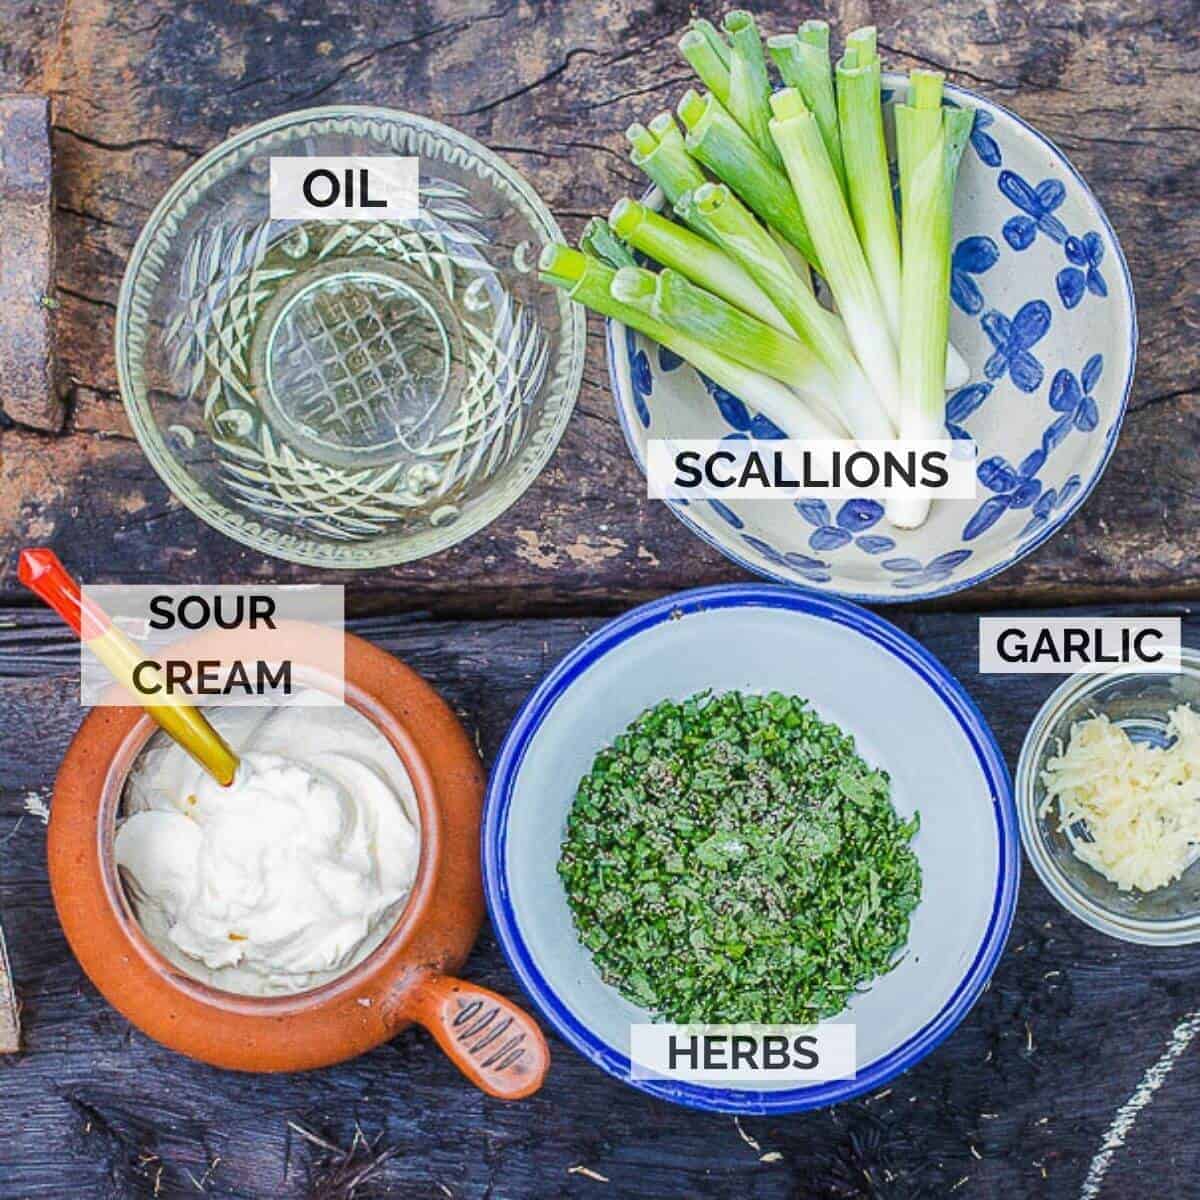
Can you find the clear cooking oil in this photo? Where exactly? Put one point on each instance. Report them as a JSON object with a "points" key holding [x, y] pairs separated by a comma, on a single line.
{"points": [[358, 375]]}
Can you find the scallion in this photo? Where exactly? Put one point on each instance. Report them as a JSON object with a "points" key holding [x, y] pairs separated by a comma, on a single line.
{"points": [[929, 141], [749, 85], [708, 55], [798, 136], [589, 281], [721, 144], [600, 241], [712, 35], [660, 151], [674, 246], [728, 222], [670, 298], [803, 62], [869, 183]]}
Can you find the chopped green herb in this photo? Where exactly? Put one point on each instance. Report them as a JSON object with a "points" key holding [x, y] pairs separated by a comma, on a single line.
{"points": [[731, 858]]}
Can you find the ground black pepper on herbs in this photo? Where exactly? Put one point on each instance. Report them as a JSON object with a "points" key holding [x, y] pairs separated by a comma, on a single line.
{"points": [[731, 858]]}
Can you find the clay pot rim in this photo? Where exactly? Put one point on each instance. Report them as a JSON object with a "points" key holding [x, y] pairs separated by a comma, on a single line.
{"points": [[424, 882]]}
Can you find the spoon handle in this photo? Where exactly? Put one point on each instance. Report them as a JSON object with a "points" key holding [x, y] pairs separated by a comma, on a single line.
{"points": [[40, 570]]}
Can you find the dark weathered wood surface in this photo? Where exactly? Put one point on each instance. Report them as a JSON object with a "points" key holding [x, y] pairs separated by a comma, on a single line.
{"points": [[142, 89], [1014, 1104], [27, 222]]}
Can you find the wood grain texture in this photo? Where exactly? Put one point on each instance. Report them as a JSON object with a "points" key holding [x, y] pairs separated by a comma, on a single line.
{"points": [[28, 40], [141, 90], [27, 356], [10, 1018], [1014, 1104]]}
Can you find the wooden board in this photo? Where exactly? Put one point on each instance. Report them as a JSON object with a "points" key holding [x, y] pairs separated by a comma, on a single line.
{"points": [[1015, 1103], [1018, 1101], [142, 90]]}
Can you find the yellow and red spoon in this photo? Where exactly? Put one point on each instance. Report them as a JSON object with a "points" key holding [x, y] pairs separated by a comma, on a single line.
{"points": [[40, 570]]}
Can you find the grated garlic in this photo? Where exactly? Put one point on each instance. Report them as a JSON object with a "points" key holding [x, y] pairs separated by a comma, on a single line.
{"points": [[1140, 803]]}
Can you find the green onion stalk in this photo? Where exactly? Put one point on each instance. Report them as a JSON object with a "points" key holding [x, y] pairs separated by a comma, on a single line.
{"points": [[600, 241], [660, 152], [798, 136], [803, 62], [733, 227], [749, 100], [669, 297], [717, 141], [707, 53], [869, 184], [798, 261], [702, 262], [589, 282], [929, 141]]}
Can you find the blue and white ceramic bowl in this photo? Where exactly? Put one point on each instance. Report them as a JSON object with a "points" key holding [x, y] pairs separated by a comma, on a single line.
{"points": [[908, 716], [1043, 311]]}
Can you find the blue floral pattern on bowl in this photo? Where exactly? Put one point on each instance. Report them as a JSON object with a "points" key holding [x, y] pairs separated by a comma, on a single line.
{"points": [[1037, 205], [1085, 256], [1043, 311], [1020, 487], [985, 145], [972, 256], [1012, 342]]}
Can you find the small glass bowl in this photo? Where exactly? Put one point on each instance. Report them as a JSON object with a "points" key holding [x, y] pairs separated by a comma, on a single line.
{"points": [[347, 393], [1140, 704]]}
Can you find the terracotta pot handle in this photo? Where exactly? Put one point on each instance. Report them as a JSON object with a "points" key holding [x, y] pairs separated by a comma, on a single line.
{"points": [[493, 1043]]}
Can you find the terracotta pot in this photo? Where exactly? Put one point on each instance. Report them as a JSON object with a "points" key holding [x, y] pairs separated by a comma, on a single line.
{"points": [[409, 977]]}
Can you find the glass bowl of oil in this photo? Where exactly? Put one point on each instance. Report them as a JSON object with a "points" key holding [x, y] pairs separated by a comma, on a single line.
{"points": [[347, 392]]}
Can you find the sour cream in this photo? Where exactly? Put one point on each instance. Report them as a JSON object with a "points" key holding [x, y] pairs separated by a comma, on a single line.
{"points": [[289, 876]]}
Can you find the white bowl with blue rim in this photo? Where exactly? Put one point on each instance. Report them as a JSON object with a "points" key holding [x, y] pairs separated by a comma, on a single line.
{"points": [[1042, 310], [909, 717]]}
